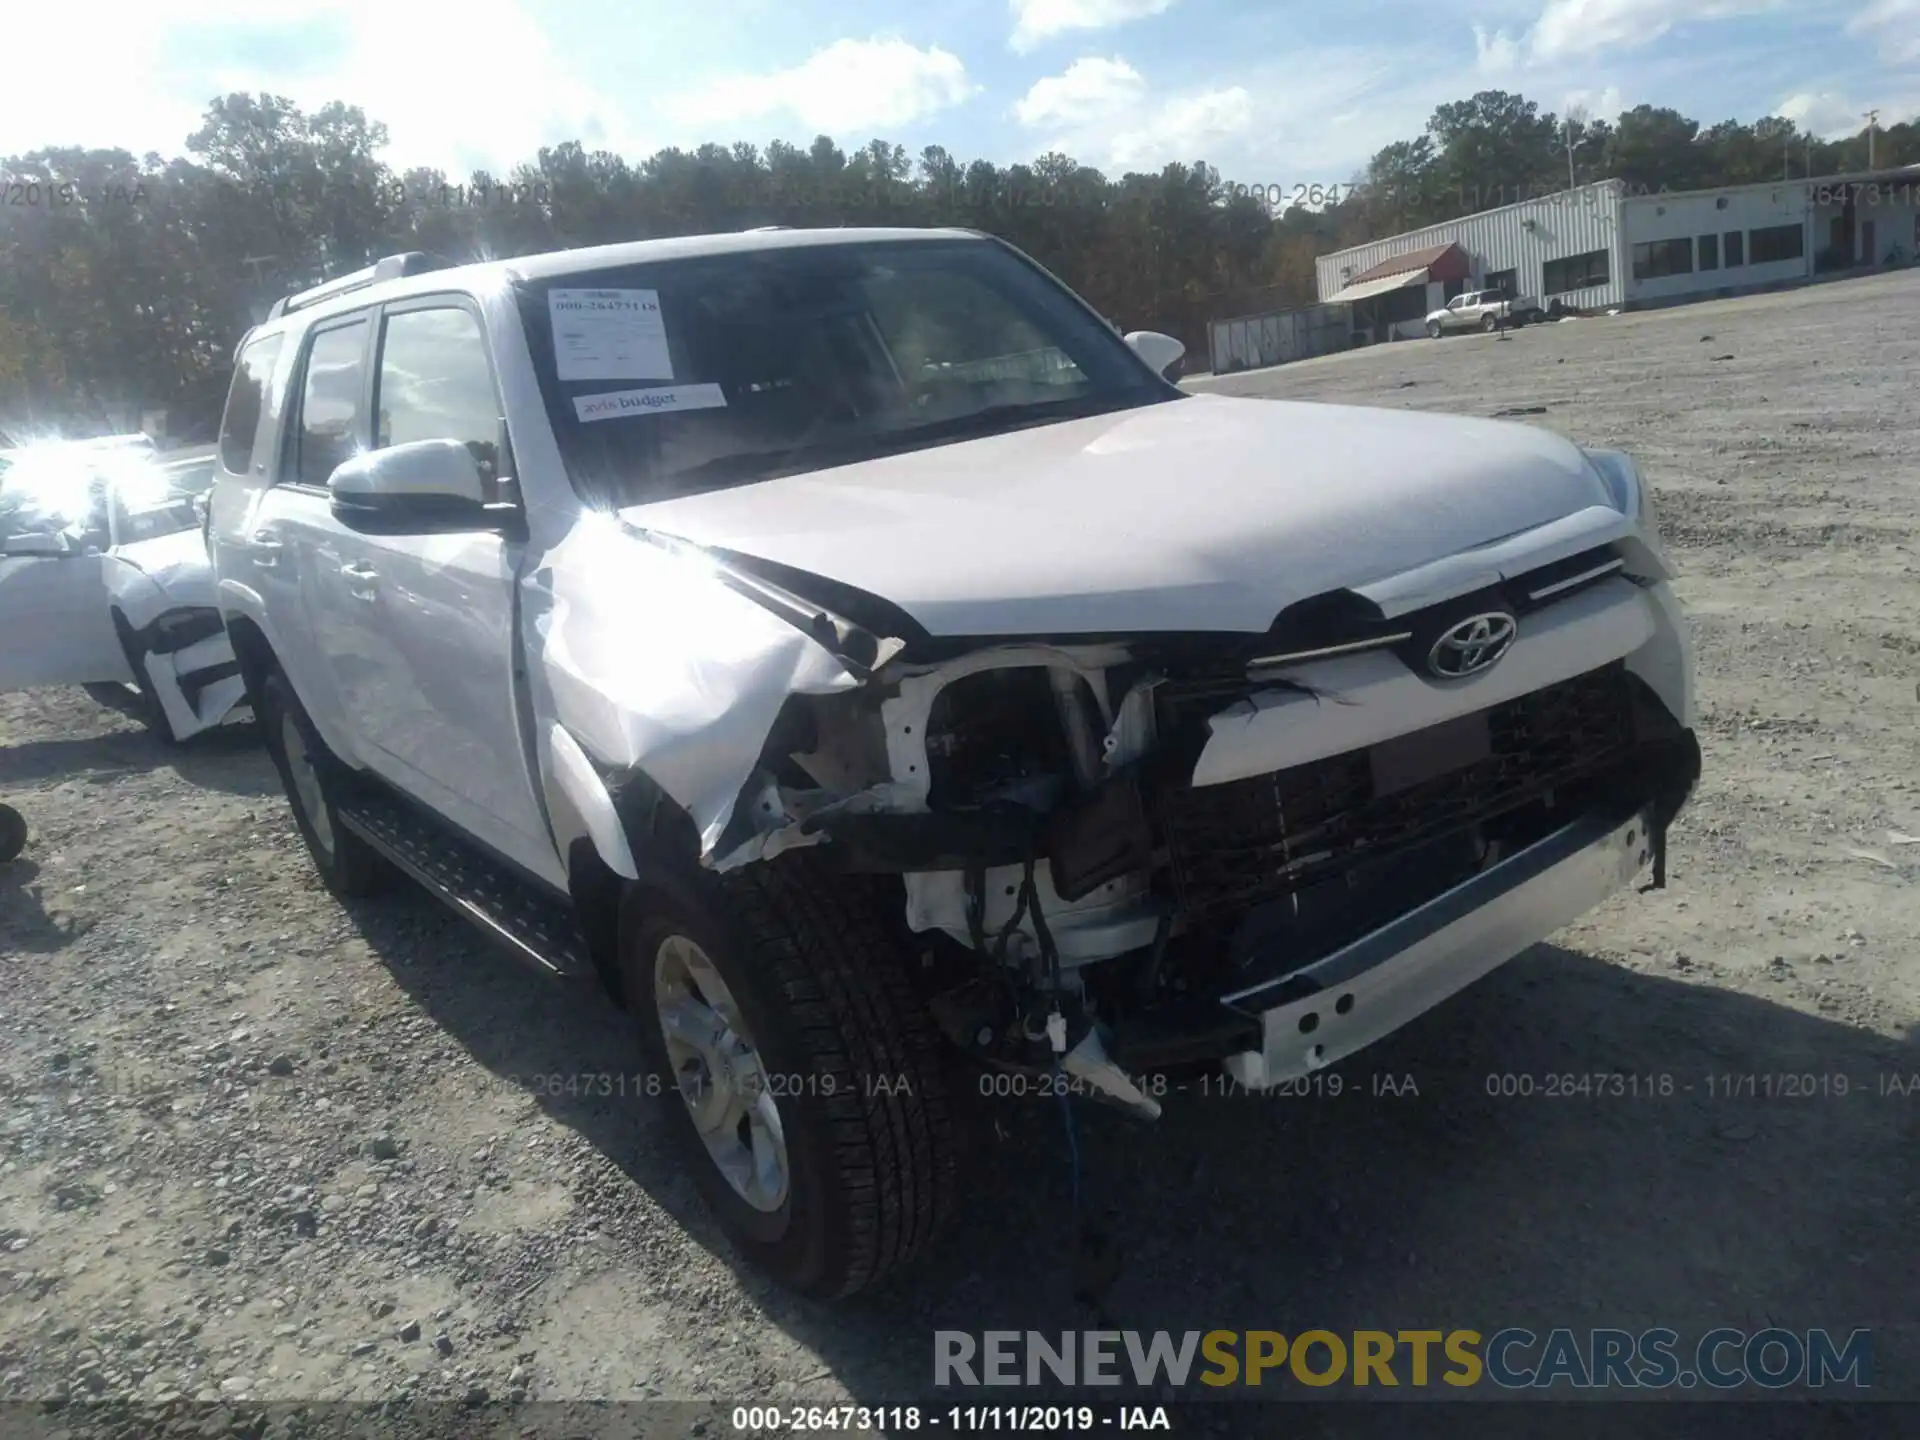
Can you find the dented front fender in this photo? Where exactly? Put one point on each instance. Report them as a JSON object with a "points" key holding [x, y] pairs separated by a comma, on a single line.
{"points": [[651, 658]]}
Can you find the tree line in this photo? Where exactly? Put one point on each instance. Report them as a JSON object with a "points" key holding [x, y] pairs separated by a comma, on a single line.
{"points": [[126, 281]]}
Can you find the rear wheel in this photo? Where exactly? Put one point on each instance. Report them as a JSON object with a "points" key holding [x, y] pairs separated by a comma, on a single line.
{"points": [[312, 777], [13, 833], [804, 1076], [1490, 324]]}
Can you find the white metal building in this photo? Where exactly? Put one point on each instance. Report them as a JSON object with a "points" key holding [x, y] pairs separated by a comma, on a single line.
{"points": [[1597, 247]]}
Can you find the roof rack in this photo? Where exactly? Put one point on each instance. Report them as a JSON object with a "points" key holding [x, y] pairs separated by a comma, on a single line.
{"points": [[391, 267], [763, 229]]}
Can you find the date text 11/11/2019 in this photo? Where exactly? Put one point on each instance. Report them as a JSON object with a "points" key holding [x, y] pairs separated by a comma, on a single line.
{"points": [[904, 1419], [1719, 1085], [1318, 1085], [615, 1084]]}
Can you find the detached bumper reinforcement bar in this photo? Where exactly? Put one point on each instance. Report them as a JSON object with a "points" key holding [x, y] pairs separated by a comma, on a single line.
{"points": [[1370, 988]]}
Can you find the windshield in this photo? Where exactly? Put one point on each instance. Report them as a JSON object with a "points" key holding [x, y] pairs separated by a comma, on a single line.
{"points": [[154, 499], [690, 375]]}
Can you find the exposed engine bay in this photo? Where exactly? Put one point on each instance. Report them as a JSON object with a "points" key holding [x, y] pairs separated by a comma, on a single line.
{"points": [[1100, 846]]}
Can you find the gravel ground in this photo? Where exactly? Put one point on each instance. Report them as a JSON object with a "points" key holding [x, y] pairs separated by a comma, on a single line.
{"points": [[255, 1145]]}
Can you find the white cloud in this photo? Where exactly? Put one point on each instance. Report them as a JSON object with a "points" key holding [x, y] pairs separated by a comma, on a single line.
{"points": [[1494, 52], [851, 85], [459, 109], [1824, 114], [1038, 20], [1185, 128], [443, 90], [1895, 24], [1597, 104], [1087, 89], [1829, 115], [1278, 125], [1580, 27]]}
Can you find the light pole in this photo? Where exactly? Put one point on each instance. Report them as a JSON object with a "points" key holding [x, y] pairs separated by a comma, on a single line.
{"points": [[1873, 119], [1576, 118]]}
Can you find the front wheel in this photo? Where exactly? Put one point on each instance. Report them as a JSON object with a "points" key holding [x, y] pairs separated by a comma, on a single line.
{"points": [[803, 1074], [1434, 331]]}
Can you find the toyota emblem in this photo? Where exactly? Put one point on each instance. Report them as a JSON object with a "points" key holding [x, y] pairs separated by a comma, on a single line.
{"points": [[1475, 644]]}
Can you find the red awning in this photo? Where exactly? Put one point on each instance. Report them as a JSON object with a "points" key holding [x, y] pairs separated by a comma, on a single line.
{"points": [[1440, 262]]}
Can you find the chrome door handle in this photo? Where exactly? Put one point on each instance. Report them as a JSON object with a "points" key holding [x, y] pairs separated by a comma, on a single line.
{"points": [[266, 549]]}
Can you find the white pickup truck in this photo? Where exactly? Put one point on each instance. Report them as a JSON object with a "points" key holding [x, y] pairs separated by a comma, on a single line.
{"points": [[1487, 310], [848, 650]]}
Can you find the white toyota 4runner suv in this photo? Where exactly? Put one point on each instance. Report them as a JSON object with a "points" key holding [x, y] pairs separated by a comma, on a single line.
{"points": [[850, 650]]}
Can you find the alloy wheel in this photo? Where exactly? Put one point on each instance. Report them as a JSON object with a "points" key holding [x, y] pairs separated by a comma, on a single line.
{"points": [[720, 1074]]}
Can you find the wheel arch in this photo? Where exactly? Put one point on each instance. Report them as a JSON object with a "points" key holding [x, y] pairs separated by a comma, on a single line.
{"points": [[642, 826], [254, 652]]}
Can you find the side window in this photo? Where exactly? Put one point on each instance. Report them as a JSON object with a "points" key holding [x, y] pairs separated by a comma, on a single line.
{"points": [[246, 398], [330, 392], [435, 383]]}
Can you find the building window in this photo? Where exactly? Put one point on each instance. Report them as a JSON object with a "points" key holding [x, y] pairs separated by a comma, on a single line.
{"points": [[1708, 247], [1653, 259], [1777, 242], [1736, 248], [1574, 272], [1502, 280]]}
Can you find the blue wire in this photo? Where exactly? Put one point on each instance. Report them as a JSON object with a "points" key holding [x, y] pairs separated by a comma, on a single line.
{"points": [[1073, 1143]]}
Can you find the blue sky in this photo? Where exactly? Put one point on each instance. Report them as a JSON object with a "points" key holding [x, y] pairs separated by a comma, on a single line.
{"points": [[1274, 92]]}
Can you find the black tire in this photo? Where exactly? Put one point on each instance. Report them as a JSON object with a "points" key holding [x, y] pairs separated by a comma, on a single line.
{"points": [[13, 833], [1490, 324], [347, 864], [109, 695], [1435, 330], [819, 977]]}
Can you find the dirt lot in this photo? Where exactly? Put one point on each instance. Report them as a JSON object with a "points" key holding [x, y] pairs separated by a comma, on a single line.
{"points": [[255, 1144]]}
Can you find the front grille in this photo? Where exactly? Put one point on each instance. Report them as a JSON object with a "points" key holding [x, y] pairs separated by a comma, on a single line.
{"points": [[1251, 841]]}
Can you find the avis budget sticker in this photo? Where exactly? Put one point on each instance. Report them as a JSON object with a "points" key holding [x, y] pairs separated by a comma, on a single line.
{"points": [[659, 400]]}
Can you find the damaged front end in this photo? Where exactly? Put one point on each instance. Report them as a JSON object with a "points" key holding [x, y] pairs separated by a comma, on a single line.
{"points": [[1139, 856], [1132, 855]]}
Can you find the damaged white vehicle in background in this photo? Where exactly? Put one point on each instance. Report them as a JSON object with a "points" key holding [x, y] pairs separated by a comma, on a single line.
{"points": [[852, 652], [105, 582]]}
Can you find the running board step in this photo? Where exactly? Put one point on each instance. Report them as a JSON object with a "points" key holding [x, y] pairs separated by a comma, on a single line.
{"points": [[531, 924]]}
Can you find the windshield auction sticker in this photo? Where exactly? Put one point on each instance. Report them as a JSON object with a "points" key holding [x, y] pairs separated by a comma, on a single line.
{"points": [[609, 335], [615, 403]]}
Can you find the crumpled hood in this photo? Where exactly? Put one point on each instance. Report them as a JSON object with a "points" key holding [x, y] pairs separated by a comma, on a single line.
{"points": [[1208, 513], [177, 563]]}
